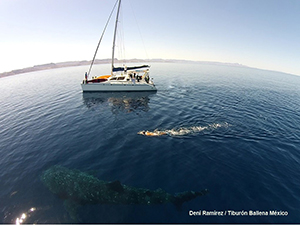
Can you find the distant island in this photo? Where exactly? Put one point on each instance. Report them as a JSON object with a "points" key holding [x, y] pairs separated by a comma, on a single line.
{"points": [[105, 61]]}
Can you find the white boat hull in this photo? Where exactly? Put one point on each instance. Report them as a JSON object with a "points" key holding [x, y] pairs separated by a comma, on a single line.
{"points": [[107, 86]]}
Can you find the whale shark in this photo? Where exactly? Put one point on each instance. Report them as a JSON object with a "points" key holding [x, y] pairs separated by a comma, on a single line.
{"points": [[80, 188]]}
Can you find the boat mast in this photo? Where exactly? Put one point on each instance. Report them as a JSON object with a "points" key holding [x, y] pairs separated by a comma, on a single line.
{"points": [[115, 34], [101, 39]]}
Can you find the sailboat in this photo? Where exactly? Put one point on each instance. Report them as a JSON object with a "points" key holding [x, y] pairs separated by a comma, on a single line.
{"points": [[124, 78]]}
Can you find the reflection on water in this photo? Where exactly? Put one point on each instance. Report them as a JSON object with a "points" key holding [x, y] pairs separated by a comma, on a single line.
{"points": [[118, 101], [24, 216]]}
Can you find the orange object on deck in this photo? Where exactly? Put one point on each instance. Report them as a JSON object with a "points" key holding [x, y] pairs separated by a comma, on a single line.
{"points": [[103, 77]]}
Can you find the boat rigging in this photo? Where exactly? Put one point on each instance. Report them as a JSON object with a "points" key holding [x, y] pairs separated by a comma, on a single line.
{"points": [[124, 78]]}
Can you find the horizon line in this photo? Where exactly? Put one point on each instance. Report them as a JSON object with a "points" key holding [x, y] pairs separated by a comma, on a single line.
{"points": [[48, 66]]}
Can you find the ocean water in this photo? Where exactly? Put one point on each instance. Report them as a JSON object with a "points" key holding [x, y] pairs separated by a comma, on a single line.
{"points": [[232, 130]]}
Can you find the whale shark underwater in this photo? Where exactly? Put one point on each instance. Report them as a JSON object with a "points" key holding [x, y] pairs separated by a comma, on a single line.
{"points": [[80, 188]]}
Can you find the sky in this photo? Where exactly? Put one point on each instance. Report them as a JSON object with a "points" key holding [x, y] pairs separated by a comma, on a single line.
{"points": [[257, 33]]}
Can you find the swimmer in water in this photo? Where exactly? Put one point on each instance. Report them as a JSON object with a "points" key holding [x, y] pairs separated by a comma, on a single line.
{"points": [[155, 133], [183, 131]]}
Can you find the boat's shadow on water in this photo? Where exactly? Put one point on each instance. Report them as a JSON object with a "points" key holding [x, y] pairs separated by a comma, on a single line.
{"points": [[119, 101]]}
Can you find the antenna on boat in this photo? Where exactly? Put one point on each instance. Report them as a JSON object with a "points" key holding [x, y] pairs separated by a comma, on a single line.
{"points": [[101, 39], [115, 33]]}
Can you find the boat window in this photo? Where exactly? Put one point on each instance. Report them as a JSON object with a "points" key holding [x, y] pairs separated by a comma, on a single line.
{"points": [[120, 78], [113, 78]]}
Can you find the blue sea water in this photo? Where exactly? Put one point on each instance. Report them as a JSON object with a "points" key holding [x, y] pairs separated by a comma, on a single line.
{"points": [[241, 141]]}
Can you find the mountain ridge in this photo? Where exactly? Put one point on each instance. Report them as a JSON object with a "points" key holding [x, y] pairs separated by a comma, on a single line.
{"points": [[105, 61]]}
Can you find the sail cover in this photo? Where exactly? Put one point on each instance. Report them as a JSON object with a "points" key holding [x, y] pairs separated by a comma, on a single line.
{"points": [[116, 69]]}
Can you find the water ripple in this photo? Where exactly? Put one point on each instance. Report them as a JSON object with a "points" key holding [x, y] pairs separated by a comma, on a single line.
{"points": [[232, 130]]}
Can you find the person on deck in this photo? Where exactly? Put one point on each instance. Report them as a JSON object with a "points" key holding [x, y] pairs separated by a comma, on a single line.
{"points": [[85, 77]]}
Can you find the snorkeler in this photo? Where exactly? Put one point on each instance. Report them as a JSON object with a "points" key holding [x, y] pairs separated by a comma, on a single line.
{"points": [[183, 131], [154, 133]]}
